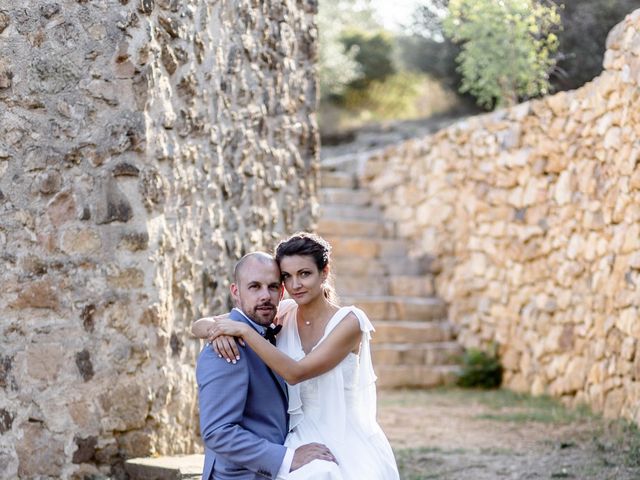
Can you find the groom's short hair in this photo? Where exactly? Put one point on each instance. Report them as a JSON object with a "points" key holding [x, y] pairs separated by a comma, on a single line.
{"points": [[262, 257]]}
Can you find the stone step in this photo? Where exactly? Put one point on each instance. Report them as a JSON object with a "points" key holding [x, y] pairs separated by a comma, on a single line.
{"points": [[399, 265], [362, 247], [361, 285], [415, 376], [438, 353], [354, 227], [355, 265], [346, 211], [394, 285], [399, 308], [366, 247], [181, 467], [411, 285], [344, 196], [337, 180], [346, 162], [408, 332]]}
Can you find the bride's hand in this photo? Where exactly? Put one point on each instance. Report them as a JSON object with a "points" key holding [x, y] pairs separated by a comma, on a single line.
{"points": [[225, 327], [227, 347]]}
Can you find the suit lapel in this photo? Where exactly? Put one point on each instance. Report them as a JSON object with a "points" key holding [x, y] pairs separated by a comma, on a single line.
{"points": [[235, 315]]}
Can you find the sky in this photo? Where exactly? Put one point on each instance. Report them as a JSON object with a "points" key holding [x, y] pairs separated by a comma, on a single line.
{"points": [[393, 13]]}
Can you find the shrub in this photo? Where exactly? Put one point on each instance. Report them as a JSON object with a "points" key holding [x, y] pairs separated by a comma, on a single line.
{"points": [[480, 369]]}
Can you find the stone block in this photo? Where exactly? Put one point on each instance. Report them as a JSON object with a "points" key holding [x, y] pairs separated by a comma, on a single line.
{"points": [[126, 406], [39, 451], [165, 468], [37, 294], [81, 241]]}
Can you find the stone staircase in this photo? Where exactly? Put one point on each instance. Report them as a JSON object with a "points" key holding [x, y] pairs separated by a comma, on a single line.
{"points": [[414, 344]]}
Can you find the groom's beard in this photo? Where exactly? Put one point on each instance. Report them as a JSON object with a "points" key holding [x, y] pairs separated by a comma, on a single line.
{"points": [[263, 314]]}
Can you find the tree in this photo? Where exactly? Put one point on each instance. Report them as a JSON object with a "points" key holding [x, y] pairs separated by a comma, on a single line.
{"points": [[507, 47], [373, 52], [337, 64]]}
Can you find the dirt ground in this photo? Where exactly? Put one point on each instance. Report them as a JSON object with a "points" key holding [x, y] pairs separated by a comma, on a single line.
{"points": [[476, 435]]}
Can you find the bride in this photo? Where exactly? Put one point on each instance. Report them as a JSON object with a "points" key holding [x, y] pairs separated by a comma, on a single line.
{"points": [[323, 354]]}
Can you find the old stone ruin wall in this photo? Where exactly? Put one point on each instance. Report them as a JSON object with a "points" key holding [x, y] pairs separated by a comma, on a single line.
{"points": [[144, 146], [533, 216]]}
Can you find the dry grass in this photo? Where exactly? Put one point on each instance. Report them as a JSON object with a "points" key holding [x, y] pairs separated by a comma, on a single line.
{"points": [[467, 434]]}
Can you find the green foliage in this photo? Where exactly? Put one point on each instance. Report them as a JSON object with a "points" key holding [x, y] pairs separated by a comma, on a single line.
{"points": [[507, 47], [337, 66], [373, 53], [585, 26], [480, 369], [392, 97]]}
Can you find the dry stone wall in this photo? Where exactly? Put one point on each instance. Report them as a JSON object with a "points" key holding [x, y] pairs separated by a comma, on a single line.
{"points": [[532, 215], [144, 146]]}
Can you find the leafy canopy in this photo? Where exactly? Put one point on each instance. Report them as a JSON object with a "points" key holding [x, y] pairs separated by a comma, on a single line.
{"points": [[337, 62], [507, 47]]}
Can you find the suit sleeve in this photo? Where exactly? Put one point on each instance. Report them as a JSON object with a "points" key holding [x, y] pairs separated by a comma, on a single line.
{"points": [[222, 389]]}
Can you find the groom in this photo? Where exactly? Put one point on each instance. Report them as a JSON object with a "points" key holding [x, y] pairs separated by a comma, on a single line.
{"points": [[243, 406]]}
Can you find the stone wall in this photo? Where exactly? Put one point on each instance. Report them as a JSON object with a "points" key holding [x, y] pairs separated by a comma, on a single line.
{"points": [[532, 215], [144, 146]]}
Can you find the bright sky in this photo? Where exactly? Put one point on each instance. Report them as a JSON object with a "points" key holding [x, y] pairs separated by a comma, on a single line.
{"points": [[393, 13]]}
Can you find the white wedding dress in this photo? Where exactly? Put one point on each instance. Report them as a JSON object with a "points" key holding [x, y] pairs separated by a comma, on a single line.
{"points": [[337, 409]]}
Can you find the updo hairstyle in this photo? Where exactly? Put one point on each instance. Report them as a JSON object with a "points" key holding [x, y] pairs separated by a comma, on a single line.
{"points": [[311, 245]]}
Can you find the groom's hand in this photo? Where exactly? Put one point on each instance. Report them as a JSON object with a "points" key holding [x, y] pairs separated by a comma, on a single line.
{"points": [[311, 451]]}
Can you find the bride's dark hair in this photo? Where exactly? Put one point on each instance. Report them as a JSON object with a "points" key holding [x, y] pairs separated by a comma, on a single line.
{"points": [[314, 246]]}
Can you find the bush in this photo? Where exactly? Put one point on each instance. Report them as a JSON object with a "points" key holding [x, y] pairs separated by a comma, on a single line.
{"points": [[480, 369], [373, 54], [507, 47]]}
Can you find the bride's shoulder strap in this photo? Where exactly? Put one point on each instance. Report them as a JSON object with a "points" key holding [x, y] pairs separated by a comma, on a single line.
{"points": [[363, 320], [285, 307]]}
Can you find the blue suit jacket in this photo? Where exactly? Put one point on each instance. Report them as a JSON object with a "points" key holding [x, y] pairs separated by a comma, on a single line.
{"points": [[243, 415]]}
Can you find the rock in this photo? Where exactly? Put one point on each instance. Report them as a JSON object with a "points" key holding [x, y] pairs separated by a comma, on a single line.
{"points": [[126, 406], [134, 241], [6, 76], [125, 169], [86, 450], [146, 6], [40, 453], [136, 444], [126, 278], [6, 420], [81, 241], [613, 403], [6, 364], [169, 60], [49, 182], [37, 294], [61, 208], [153, 188], [114, 205], [564, 190], [48, 10], [85, 367], [44, 361], [4, 21]]}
